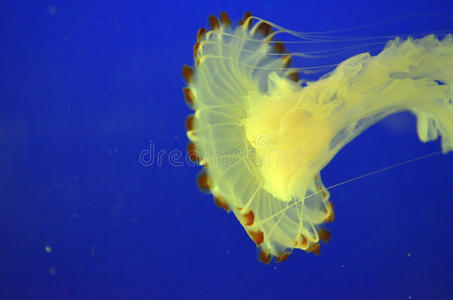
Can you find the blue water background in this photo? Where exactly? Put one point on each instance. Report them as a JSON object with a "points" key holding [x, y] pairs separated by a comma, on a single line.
{"points": [[85, 86]]}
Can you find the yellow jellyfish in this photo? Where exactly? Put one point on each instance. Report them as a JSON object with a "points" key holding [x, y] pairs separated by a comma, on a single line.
{"points": [[263, 135]]}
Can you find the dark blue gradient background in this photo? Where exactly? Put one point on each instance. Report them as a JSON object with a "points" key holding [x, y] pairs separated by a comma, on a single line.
{"points": [[86, 85]]}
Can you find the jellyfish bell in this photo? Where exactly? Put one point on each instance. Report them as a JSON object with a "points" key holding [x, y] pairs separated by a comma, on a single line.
{"points": [[263, 133]]}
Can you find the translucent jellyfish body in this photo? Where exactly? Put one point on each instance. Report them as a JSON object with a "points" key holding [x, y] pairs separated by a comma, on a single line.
{"points": [[263, 135]]}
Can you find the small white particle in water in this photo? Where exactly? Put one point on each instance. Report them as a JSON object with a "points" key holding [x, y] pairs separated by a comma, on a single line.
{"points": [[92, 251], [52, 271], [409, 254], [48, 249], [410, 297]]}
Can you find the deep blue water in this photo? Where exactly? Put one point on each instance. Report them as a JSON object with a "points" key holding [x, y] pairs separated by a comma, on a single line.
{"points": [[87, 86]]}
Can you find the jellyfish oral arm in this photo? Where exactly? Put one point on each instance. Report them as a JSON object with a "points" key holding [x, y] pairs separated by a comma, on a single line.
{"points": [[414, 75], [321, 118]]}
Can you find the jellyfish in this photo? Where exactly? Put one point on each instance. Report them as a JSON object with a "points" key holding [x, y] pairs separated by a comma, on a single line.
{"points": [[263, 134]]}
